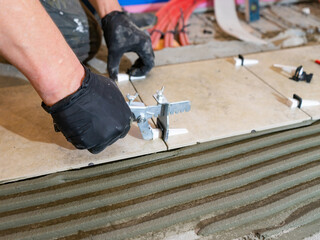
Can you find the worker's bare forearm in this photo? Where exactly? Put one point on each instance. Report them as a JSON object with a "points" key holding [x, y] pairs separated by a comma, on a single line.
{"points": [[103, 7], [30, 40]]}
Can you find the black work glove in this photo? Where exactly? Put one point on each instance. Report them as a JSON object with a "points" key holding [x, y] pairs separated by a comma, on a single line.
{"points": [[93, 117], [123, 36]]}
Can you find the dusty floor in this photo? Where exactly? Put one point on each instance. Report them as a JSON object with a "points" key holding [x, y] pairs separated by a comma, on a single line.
{"points": [[281, 25]]}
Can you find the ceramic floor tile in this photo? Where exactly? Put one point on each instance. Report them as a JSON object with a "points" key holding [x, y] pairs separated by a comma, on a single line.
{"points": [[29, 146], [225, 101], [280, 81]]}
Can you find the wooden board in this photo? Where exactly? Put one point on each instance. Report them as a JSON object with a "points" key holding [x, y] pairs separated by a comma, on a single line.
{"points": [[225, 101], [295, 18], [265, 27]]}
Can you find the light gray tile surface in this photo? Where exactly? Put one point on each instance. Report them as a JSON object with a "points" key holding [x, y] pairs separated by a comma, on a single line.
{"points": [[30, 147], [279, 80], [225, 101]]}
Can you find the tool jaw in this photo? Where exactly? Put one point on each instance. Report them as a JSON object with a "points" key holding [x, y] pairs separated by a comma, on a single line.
{"points": [[161, 111]]}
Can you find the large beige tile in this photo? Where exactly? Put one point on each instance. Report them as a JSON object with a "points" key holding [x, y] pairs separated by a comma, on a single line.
{"points": [[280, 81], [225, 101], [29, 146]]}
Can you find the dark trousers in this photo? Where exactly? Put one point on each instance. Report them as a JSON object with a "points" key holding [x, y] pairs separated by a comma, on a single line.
{"points": [[78, 26]]}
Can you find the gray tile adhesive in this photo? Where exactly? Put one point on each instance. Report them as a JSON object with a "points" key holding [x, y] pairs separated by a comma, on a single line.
{"points": [[260, 184]]}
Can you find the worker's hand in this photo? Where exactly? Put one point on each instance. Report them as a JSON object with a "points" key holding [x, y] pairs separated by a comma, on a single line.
{"points": [[123, 36], [95, 116]]}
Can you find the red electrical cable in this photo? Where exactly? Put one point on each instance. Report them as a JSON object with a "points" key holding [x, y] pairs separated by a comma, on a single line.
{"points": [[172, 14], [183, 23], [174, 18], [164, 16], [159, 29]]}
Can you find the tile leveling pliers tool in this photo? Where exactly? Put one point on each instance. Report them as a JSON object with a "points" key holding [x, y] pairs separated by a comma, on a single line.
{"points": [[161, 111]]}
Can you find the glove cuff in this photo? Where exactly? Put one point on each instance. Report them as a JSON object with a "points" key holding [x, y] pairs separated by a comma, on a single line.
{"points": [[70, 99]]}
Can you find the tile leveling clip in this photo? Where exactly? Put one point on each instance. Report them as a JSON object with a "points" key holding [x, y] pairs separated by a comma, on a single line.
{"points": [[161, 111]]}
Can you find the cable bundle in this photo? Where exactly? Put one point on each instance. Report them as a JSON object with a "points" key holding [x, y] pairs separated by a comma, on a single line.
{"points": [[172, 20]]}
